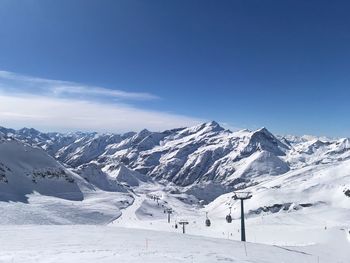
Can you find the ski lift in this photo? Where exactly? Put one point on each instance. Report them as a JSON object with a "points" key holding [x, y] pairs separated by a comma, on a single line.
{"points": [[229, 217], [207, 220]]}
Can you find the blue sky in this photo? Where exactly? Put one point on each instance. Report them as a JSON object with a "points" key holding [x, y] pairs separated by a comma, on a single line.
{"points": [[159, 64]]}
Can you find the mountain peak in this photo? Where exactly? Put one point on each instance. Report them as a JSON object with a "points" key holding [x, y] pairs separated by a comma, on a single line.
{"points": [[144, 132], [264, 130], [213, 125]]}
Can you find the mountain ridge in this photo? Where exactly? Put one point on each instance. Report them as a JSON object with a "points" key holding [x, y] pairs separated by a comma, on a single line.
{"points": [[199, 155]]}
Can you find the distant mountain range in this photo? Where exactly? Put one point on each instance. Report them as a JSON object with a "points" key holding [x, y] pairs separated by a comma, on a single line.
{"points": [[206, 156]]}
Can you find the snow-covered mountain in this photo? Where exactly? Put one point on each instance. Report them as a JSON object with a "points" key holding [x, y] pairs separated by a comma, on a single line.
{"points": [[35, 188], [205, 161], [199, 156]]}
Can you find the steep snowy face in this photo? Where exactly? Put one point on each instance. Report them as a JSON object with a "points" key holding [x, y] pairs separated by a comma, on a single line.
{"points": [[185, 156], [202, 153], [122, 174], [259, 163], [25, 169], [206, 153], [86, 149], [262, 139], [93, 174]]}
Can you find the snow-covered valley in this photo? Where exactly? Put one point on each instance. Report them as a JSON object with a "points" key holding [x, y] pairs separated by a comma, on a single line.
{"points": [[119, 186]]}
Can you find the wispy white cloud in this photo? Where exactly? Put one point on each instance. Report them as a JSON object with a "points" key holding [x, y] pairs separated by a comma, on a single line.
{"points": [[70, 89], [60, 110], [13, 82]]}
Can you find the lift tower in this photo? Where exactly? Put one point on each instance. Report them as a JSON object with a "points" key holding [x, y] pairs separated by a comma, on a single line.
{"points": [[242, 196], [169, 211], [183, 223]]}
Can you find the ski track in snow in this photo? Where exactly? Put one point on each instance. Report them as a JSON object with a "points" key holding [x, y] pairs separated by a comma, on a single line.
{"points": [[299, 232], [112, 244]]}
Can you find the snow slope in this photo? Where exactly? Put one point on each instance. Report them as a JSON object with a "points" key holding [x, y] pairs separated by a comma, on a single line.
{"points": [[25, 169], [36, 189], [109, 244], [304, 209]]}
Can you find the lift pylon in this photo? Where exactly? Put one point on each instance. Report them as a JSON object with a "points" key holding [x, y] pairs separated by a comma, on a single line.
{"points": [[183, 223], [242, 196]]}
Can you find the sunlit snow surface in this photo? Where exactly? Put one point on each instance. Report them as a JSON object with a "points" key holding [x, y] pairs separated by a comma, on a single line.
{"points": [[110, 244], [107, 213], [127, 224]]}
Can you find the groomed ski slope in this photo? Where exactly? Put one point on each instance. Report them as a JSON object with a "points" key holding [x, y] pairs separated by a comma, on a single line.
{"points": [[316, 230], [81, 244]]}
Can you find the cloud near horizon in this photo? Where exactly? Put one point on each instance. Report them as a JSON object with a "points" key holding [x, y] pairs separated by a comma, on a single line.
{"points": [[54, 105], [18, 83]]}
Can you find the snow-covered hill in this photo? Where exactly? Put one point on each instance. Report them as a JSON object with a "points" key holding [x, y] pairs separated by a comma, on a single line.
{"points": [[37, 189], [25, 169]]}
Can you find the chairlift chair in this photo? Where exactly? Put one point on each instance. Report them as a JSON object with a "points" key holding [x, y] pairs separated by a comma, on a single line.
{"points": [[207, 220], [229, 217]]}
